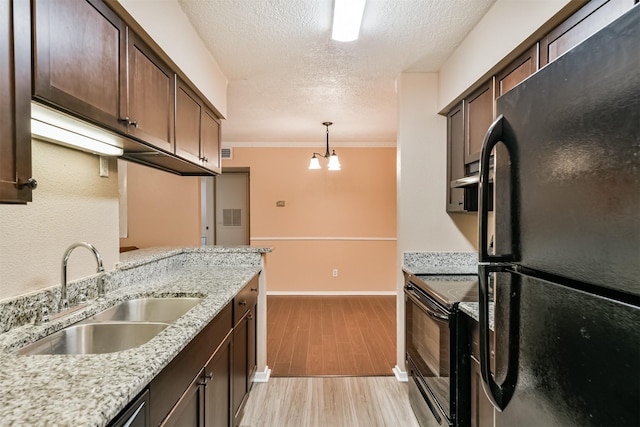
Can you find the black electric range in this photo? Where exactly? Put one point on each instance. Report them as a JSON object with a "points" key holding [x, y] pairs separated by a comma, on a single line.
{"points": [[449, 289], [436, 341]]}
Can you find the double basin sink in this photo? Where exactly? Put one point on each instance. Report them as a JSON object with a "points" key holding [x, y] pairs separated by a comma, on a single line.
{"points": [[126, 325]]}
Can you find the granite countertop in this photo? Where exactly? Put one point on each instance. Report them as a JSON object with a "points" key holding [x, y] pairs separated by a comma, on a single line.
{"points": [[472, 309], [444, 265], [91, 390]]}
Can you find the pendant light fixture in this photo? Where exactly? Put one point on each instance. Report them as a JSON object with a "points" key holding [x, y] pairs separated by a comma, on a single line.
{"points": [[334, 162]]}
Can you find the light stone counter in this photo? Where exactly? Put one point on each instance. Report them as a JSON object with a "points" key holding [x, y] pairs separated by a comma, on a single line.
{"points": [[90, 390], [447, 263], [440, 262]]}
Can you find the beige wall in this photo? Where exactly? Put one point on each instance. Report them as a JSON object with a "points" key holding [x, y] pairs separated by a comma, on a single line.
{"points": [[163, 209], [71, 204], [344, 219]]}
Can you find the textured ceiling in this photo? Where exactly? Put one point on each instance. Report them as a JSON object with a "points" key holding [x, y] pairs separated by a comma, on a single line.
{"points": [[286, 75]]}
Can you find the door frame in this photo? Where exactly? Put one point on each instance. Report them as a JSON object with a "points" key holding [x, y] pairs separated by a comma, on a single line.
{"points": [[229, 171]]}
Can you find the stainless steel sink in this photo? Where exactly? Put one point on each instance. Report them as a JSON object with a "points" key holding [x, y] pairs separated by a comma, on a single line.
{"points": [[95, 338], [126, 325], [164, 310]]}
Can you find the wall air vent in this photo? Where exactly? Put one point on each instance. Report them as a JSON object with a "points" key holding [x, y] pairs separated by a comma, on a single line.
{"points": [[227, 153], [231, 217]]}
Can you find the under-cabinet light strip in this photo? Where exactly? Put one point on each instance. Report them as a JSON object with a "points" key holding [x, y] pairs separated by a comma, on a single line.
{"points": [[61, 129]]}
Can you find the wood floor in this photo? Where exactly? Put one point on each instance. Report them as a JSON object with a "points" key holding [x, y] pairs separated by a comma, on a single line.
{"points": [[323, 402], [331, 335]]}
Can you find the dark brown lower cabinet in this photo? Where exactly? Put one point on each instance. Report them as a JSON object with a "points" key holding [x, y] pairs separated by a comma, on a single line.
{"points": [[240, 365], [481, 407], [207, 400], [183, 382], [244, 346], [189, 411], [482, 413], [217, 389]]}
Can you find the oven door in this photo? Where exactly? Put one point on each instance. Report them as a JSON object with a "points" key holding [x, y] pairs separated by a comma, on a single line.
{"points": [[428, 342]]}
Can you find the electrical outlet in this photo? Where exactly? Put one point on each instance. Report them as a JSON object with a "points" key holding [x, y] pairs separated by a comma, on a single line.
{"points": [[334, 273], [104, 166]]}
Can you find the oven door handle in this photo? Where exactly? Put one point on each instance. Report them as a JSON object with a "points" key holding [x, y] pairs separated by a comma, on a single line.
{"points": [[434, 315]]}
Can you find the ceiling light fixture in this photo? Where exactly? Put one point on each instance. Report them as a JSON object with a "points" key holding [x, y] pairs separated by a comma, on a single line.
{"points": [[334, 162], [347, 17]]}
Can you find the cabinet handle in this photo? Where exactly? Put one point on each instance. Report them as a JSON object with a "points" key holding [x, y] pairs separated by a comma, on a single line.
{"points": [[206, 379], [250, 316], [254, 289], [242, 303], [127, 121], [204, 159], [29, 183]]}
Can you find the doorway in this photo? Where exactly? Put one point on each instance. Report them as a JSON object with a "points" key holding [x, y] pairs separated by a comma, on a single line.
{"points": [[232, 207]]}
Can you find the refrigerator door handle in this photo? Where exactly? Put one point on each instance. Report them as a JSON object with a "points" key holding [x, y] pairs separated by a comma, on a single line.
{"points": [[494, 135], [499, 394]]}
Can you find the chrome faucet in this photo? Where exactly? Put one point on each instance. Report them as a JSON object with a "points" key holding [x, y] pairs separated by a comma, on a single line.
{"points": [[64, 303]]}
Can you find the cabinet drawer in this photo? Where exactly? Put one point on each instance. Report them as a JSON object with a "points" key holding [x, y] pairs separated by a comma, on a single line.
{"points": [[246, 298]]}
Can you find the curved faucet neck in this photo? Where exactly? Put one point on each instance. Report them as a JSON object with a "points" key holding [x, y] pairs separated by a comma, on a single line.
{"points": [[64, 303]]}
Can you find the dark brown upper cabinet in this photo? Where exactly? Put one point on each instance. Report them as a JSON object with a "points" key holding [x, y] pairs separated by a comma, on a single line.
{"points": [[16, 183], [516, 72], [81, 66], [586, 21], [151, 91], [197, 129], [455, 157], [210, 141], [79, 58], [90, 63], [478, 115]]}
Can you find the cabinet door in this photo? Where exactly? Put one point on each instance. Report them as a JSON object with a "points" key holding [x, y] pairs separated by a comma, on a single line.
{"points": [[240, 367], [217, 393], [151, 95], [455, 157], [79, 54], [252, 323], [481, 407], [478, 115], [189, 411], [590, 18], [524, 66], [210, 141], [188, 116], [15, 101]]}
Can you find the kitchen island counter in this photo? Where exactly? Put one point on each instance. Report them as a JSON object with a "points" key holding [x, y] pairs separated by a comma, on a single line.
{"points": [[90, 390]]}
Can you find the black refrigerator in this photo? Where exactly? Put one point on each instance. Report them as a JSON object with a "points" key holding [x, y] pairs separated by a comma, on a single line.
{"points": [[565, 270]]}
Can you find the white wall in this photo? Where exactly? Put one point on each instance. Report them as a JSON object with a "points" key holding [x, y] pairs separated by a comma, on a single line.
{"points": [[167, 24], [423, 224], [507, 24], [71, 204]]}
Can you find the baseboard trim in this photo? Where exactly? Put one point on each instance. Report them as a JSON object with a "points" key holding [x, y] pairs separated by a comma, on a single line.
{"points": [[331, 293], [262, 377], [401, 375]]}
